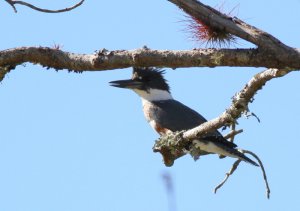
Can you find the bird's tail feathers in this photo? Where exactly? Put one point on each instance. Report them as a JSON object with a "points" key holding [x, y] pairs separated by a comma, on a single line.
{"points": [[243, 157], [222, 149]]}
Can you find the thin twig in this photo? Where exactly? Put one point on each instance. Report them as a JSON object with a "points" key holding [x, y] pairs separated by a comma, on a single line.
{"points": [[249, 114], [231, 139], [13, 3], [232, 134], [233, 129], [268, 191], [230, 172]]}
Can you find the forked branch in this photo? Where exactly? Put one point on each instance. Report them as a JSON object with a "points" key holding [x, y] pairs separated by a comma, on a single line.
{"points": [[173, 146], [236, 164]]}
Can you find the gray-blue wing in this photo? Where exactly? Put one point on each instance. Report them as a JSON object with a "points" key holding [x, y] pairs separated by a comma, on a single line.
{"points": [[175, 116]]}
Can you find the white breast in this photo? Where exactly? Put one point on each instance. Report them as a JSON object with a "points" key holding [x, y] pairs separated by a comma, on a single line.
{"points": [[149, 112]]}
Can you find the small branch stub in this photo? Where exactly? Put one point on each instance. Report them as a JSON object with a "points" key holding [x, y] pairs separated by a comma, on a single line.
{"points": [[171, 147]]}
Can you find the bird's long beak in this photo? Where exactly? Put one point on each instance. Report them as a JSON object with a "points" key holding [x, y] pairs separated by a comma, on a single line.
{"points": [[127, 84]]}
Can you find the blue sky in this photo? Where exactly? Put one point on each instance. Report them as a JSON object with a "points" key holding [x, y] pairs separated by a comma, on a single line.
{"points": [[71, 142]]}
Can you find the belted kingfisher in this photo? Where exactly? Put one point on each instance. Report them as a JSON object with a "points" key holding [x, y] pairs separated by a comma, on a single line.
{"points": [[165, 114]]}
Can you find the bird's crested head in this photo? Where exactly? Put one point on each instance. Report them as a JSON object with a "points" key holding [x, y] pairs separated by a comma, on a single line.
{"points": [[148, 82]]}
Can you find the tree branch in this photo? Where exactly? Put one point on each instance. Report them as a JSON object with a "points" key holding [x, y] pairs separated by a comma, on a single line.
{"points": [[13, 3], [237, 27], [227, 175], [239, 104], [106, 60], [174, 146]]}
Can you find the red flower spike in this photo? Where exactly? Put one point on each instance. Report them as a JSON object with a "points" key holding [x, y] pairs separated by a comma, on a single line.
{"points": [[208, 35]]}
